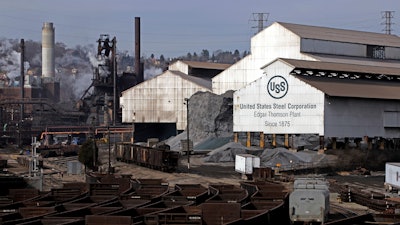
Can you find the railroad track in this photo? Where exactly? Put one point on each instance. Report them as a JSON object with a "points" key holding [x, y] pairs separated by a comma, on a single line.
{"points": [[57, 167], [50, 182], [367, 191], [341, 212], [354, 220], [341, 215], [59, 163]]}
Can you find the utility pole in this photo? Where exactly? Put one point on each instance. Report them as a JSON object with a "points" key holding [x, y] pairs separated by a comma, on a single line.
{"points": [[109, 150], [133, 128], [94, 143], [22, 75], [187, 132], [114, 72], [22, 81], [260, 18], [387, 16]]}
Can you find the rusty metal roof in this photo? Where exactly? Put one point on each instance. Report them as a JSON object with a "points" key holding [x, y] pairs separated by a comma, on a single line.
{"points": [[355, 68], [207, 65], [341, 35]]}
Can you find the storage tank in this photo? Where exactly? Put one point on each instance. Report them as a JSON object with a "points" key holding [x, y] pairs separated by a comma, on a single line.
{"points": [[309, 201]]}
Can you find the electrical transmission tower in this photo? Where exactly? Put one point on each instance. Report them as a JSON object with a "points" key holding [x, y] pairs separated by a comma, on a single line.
{"points": [[260, 18], [387, 16]]}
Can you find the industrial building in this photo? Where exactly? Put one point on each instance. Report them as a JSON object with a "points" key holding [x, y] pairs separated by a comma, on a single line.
{"points": [[294, 41], [21, 102], [358, 100], [330, 82], [334, 100], [31, 106], [158, 105]]}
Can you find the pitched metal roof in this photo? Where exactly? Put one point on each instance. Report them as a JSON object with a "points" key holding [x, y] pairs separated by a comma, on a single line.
{"points": [[355, 68], [355, 89], [376, 89], [207, 65], [199, 81], [342, 35], [354, 60]]}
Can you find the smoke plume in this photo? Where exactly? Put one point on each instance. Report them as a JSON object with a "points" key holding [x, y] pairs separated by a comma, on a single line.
{"points": [[10, 60]]}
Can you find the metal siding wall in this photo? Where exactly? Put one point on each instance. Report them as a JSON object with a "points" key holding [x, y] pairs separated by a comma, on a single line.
{"points": [[354, 117], [269, 44], [159, 100], [392, 53], [179, 66], [333, 48], [391, 119]]}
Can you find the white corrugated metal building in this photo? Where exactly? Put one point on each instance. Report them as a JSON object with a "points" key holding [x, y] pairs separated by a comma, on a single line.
{"points": [[329, 99], [161, 100], [293, 41], [331, 82], [347, 51]]}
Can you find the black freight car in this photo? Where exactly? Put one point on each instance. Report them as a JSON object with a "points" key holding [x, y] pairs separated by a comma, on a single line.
{"points": [[158, 158]]}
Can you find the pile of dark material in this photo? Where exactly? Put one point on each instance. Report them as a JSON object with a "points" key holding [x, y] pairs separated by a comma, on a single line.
{"points": [[210, 121], [211, 130], [211, 115]]}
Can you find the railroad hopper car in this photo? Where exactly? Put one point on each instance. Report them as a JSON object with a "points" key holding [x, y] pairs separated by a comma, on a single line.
{"points": [[309, 201], [159, 158]]}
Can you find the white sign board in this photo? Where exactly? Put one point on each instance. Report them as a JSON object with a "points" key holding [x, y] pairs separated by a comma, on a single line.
{"points": [[278, 104]]}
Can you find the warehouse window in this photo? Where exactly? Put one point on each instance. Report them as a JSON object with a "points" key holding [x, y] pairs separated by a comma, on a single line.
{"points": [[391, 119], [376, 52]]}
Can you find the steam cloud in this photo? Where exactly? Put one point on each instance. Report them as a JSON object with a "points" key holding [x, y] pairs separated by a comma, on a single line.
{"points": [[73, 84], [10, 60]]}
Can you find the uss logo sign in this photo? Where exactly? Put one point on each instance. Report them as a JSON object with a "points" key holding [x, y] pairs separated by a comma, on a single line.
{"points": [[277, 87]]}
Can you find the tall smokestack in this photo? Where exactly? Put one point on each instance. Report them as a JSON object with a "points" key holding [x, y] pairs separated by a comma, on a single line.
{"points": [[138, 71], [48, 65], [22, 80]]}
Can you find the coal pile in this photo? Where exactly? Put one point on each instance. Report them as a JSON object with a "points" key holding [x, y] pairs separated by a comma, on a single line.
{"points": [[210, 121], [211, 115]]}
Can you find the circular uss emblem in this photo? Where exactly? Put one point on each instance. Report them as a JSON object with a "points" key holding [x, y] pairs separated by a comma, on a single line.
{"points": [[277, 87]]}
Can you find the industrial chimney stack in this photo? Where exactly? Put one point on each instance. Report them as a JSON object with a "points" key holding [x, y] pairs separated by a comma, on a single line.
{"points": [[48, 64], [138, 64], [51, 87]]}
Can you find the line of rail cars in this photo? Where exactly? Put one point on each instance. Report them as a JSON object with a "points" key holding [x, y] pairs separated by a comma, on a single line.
{"points": [[159, 158], [309, 201], [58, 150]]}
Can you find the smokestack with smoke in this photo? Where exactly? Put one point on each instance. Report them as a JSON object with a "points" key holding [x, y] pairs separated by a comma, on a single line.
{"points": [[48, 58], [10, 63]]}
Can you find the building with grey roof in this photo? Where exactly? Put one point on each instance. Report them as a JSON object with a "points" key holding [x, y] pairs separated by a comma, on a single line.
{"points": [[314, 80], [294, 41], [159, 105]]}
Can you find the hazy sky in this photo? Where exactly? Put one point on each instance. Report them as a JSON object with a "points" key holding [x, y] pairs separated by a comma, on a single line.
{"points": [[175, 27]]}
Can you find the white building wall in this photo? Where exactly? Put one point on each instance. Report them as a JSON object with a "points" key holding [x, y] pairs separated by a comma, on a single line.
{"points": [[179, 66], [273, 42], [159, 100], [260, 106]]}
